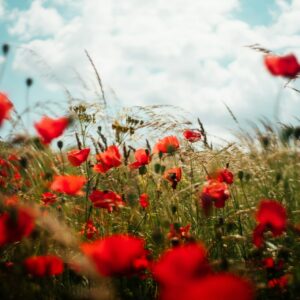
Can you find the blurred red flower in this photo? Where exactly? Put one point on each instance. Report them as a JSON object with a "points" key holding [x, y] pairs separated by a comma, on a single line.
{"points": [[222, 175], [271, 216], [168, 144], [5, 107], [89, 229], [192, 135], [117, 255], [4, 167], [142, 158], [215, 192], [275, 273], [48, 198], [181, 264], [173, 176], [286, 66], [111, 158], [15, 225], [144, 200], [280, 282], [68, 184], [269, 263], [77, 157], [49, 129], [223, 286], [106, 199], [47, 265], [13, 157], [11, 200]]}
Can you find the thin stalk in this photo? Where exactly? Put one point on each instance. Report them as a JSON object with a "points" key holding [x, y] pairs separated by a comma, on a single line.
{"points": [[2, 70], [63, 161], [27, 96]]}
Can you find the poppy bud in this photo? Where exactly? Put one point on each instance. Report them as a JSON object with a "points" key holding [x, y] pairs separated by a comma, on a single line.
{"points": [[240, 175], [5, 49], [162, 169], [278, 177], [23, 162], [48, 176], [157, 168], [175, 242], [297, 132], [29, 82], [174, 209], [60, 144], [142, 170], [247, 176], [265, 141]]}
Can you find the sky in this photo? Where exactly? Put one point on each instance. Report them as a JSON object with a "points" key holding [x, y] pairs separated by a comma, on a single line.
{"points": [[187, 53]]}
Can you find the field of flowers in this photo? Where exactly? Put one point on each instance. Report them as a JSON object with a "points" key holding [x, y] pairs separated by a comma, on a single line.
{"points": [[174, 219]]}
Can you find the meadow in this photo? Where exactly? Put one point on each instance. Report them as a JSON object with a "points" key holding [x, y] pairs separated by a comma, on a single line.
{"points": [[147, 207]]}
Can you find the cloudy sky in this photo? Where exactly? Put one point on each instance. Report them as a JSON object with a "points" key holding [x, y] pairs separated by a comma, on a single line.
{"points": [[182, 52]]}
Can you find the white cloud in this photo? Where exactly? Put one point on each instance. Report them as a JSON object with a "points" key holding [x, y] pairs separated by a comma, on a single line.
{"points": [[35, 22], [1, 8], [185, 52]]}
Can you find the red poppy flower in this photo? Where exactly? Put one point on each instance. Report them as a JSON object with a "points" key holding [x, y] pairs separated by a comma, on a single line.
{"points": [[274, 271], [111, 158], [117, 255], [181, 264], [142, 158], [48, 198], [68, 184], [222, 175], [89, 229], [173, 176], [13, 157], [280, 282], [168, 144], [47, 265], [5, 107], [17, 176], [11, 201], [269, 263], [144, 200], [77, 157], [49, 129], [106, 199], [271, 216], [179, 232], [215, 192], [14, 227], [4, 167], [286, 66], [223, 286], [192, 135]]}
